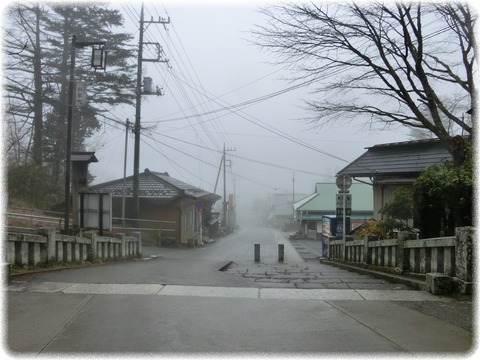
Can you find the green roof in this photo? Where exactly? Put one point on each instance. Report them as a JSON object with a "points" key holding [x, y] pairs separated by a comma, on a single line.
{"points": [[324, 198]]}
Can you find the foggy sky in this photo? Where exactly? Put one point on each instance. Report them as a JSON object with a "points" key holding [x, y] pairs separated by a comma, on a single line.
{"points": [[208, 47]]}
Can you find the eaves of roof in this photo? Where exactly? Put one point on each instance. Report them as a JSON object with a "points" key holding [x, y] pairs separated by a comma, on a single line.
{"points": [[406, 158], [304, 201], [324, 199], [155, 185]]}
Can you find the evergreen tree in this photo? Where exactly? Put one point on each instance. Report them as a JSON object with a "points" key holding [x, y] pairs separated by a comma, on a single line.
{"points": [[37, 49]]}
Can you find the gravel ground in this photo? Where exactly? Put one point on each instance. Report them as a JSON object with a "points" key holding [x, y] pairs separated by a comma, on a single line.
{"points": [[461, 313]]}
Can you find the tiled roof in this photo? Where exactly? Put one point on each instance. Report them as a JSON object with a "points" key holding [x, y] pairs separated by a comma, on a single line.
{"points": [[404, 158], [154, 185]]}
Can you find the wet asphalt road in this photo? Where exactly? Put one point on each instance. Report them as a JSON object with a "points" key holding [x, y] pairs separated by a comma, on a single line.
{"points": [[177, 301]]}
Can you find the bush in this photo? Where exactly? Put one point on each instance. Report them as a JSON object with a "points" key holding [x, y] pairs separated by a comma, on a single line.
{"points": [[443, 198], [400, 209], [371, 227], [33, 185]]}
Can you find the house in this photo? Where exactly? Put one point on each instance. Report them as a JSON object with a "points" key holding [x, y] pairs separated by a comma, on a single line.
{"points": [[394, 165], [164, 203], [281, 213], [310, 210]]}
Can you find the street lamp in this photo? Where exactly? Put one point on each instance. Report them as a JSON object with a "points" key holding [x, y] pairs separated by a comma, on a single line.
{"points": [[98, 62]]}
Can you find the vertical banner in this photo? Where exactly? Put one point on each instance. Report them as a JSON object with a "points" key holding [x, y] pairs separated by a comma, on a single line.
{"points": [[80, 98]]}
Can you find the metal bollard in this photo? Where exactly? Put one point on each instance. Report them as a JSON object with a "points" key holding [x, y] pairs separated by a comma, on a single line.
{"points": [[281, 252], [257, 252]]}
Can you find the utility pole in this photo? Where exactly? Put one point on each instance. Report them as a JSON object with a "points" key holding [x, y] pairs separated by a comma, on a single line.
{"points": [[138, 100], [225, 202], [124, 172], [293, 196]]}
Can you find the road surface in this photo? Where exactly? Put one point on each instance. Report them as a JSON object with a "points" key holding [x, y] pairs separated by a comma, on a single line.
{"points": [[176, 301]]}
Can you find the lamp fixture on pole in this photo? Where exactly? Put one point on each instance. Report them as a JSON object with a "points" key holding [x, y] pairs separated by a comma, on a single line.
{"points": [[98, 62]]}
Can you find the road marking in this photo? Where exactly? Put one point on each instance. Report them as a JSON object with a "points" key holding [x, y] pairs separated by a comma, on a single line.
{"points": [[226, 292], [114, 289], [291, 254], [210, 291], [310, 294]]}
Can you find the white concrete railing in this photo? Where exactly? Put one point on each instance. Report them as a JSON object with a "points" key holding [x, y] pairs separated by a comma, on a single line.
{"points": [[450, 256], [49, 247]]}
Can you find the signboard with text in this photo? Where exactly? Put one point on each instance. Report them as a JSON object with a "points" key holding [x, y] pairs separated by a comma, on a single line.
{"points": [[80, 93], [339, 204]]}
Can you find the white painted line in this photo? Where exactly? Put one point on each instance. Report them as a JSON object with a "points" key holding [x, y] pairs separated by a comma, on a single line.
{"points": [[210, 291], [309, 294], [227, 292], [291, 254], [401, 295], [49, 287], [114, 289], [44, 287]]}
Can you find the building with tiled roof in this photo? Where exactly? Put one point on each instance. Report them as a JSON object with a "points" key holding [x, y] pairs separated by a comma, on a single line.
{"points": [[394, 165], [164, 203]]}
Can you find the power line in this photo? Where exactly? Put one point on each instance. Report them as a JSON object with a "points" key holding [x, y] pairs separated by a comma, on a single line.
{"points": [[239, 157], [180, 85]]}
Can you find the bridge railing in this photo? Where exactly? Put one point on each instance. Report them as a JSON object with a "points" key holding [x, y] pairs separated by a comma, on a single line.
{"points": [[49, 247], [450, 256]]}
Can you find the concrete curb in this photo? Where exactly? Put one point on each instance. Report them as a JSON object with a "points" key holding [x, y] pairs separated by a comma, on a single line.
{"points": [[410, 282], [38, 270]]}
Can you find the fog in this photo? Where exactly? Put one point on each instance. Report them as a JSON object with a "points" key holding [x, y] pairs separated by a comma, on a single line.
{"points": [[221, 90]]}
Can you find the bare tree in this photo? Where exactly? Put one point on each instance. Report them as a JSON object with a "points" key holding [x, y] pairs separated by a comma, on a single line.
{"points": [[23, 81], [382, 63]]}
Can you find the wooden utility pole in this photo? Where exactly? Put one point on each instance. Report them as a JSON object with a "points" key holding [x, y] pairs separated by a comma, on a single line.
{"points": [[225, 202], [138, 99], [124, 172]]}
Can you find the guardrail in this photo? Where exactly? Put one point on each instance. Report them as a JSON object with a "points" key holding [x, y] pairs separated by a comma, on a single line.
{"points": [[449, 256], [32, 220], [27, 220]]}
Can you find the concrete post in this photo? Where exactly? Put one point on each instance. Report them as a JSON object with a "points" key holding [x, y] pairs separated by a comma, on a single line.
{"points": [[348, 249], [8, 269], [367, 256], [121, 236], [23, 255], [402, 257], [92, 247], [281, 252], [51, 244], [464, 257], [138, 235], [257, 252]]}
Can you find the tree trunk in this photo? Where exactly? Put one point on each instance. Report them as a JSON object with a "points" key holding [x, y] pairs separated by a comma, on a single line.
{"points": [[37, 103]]}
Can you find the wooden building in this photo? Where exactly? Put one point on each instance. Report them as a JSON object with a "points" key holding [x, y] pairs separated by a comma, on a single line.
{"points": [[180, 210], [394, 165]]}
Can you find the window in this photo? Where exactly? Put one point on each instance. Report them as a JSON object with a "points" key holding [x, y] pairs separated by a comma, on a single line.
{"points": [[188, 219]]}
